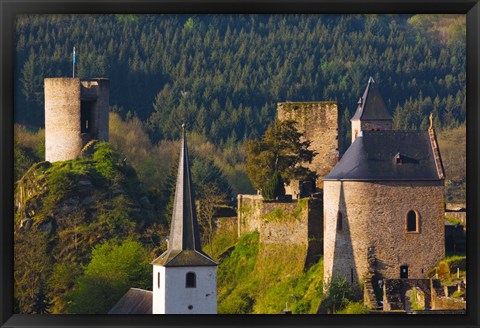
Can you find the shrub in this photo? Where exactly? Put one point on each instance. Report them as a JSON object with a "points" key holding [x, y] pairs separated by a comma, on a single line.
{"points": [[339, 295], [354, 308], [106, 160], [274, 187]]}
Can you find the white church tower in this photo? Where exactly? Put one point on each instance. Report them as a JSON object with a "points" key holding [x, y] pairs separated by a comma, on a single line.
{"points": [[184, 277]]}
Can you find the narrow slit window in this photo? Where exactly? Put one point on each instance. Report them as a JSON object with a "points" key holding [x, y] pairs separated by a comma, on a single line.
{"points": [[158, 280], [85, 116], [191, 280], [339, 221]]}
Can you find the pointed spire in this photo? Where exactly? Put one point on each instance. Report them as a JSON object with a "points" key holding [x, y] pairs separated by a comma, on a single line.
{"points": [[184, 230], [184, 247], [371, 105]]}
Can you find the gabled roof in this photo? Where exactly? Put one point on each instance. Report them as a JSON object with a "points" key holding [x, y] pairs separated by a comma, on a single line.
{"points": [[184, 247], [372, 156], [135, 301], [371, 106]]}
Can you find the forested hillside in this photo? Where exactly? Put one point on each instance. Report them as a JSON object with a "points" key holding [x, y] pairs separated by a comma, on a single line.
{"points": [[224, 73]]}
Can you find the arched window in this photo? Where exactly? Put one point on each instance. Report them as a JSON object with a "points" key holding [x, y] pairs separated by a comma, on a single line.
{"points": [[412, 221], [339, 221], [190, 280]]}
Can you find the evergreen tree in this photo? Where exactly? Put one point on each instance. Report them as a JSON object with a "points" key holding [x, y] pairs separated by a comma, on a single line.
{"points": [[42, 302], [281, 150]]}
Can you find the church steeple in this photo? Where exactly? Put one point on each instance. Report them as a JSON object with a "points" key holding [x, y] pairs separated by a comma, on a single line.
{"points": [[184, 277], [184, 247], [371, 114]]}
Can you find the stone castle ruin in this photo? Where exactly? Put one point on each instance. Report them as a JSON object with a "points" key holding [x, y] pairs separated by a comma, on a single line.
{"points": [[76, 112], [379, 210], [318, 121]]}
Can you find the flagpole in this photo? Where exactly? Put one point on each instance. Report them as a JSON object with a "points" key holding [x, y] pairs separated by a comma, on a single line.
{"points": [[74, 59]]}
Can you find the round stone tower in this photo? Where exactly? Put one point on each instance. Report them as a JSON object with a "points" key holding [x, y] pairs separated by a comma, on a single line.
{"points": [[76, 112]]}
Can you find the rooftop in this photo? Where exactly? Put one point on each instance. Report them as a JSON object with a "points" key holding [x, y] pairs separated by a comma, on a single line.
{"points": [[388, 155], [371, 106], [135, 301]]}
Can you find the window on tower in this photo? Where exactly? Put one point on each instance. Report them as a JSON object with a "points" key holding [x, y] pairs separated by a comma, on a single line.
{"points": [[339, 221], [412, 221], [85, 116], [190, 280]]}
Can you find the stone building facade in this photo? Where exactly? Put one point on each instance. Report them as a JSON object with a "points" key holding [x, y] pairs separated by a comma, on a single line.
{"points": [[384, 201], [76, 112], [318, 121], [374, 224]]}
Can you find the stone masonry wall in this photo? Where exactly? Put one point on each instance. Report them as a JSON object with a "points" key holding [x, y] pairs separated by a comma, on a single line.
{"points": [[63, 140], [319, 123], [374, 216], [363, 125], [284, 223], [101, 90], [63, 100]]}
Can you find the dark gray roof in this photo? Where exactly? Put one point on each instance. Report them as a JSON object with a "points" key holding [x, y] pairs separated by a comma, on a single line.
{"points": [[184, 247], [184, 258], [135, 301], [372, 157], [371, 106]]}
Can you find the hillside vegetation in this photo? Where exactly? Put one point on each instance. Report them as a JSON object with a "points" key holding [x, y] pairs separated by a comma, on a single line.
{"points": [[64, 210], [258, 278], [224, 73]]}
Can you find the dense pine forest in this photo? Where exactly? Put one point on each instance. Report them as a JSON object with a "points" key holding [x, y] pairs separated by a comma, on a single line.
{"points": [[222, 75]]}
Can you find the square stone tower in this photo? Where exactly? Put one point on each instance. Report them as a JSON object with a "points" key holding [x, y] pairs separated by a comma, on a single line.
{"points": [[76, 112], [318, 121]]}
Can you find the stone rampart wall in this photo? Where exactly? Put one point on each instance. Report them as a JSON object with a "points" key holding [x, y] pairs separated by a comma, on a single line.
{"points": [[284, 223]]}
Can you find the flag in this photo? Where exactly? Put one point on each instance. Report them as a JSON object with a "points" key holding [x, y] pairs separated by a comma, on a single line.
{"points": [[74, 56]]}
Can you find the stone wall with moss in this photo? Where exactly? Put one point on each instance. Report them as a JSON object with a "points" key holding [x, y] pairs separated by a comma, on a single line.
{"points": [[293, 224], [318, 121]]}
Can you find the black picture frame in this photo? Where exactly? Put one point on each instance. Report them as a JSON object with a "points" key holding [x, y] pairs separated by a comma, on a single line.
{"points": [[10, 8]]}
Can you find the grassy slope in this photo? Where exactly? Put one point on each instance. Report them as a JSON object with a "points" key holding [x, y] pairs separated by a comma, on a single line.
{"points": [[257, 278]]}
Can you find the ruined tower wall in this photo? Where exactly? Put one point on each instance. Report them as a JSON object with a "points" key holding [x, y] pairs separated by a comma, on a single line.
{"points": [[62, 119], [374, 216], [318, 121], [66, 131]]}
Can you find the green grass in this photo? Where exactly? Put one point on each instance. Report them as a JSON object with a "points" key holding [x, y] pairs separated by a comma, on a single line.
{"points": [[354, 308], [222, 240], [455, 221], [259, 278]]}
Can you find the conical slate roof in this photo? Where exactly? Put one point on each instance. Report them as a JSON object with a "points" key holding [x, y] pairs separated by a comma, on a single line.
{"points": [[184, 248], [371, 106]]}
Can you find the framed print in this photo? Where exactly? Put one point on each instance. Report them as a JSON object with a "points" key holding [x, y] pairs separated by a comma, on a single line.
{"points": [[294, 163]]}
